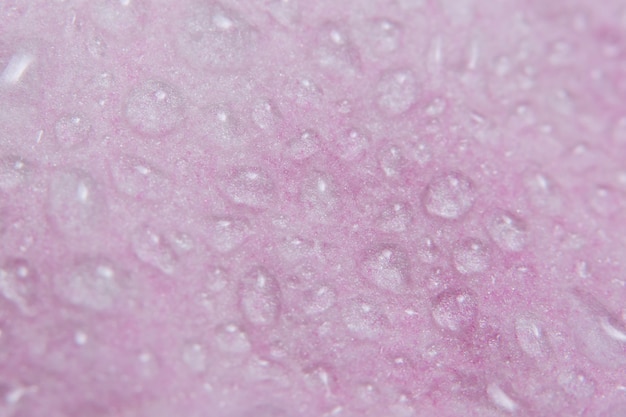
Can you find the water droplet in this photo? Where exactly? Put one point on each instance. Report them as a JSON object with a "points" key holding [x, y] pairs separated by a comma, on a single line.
{"points": [[18, 283], [318, 193], [228, 233], [455, 310], [387, 268], [576, 383], [543, 192], [392, 161], [605, 200], [260, 297], [471, 256], [363, 319], [154, 108], [304, 146], [76, 206], [72, 130], [114, 16], [152, 248], [383, 36], [264, 114], [231, 339], [216, 37], [530, 337], [396, 91], [249, 186], [508, 231], [449, 196], [286, 12], [500, 398], [13, 172], [395, 217], [137, 178], [93, 283], [194, 356], [335, 51], [318, 300], [351, 145]]}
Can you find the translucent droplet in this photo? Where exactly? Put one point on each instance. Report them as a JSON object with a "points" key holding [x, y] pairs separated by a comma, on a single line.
{"points": [[543, 192], [249, 186], [363, 319], [351, 145], [605, 200], [260, 297], [264, 114], [508, 231], [194, 356], [13, 172], [455, 310], [318, 300], [304, 146], [530, 337], [114, 16], [383, 36], [576, 383], [396, 91], [137, 178], [387, 268], [471, 256], [18, 283], [216, 37], [92, 283], [155, 108], [449, 196], [72, 130], [75, 204], [231, 339], [228, 233], [335, 51], [395, 217], [318, 193], [152, 248]]}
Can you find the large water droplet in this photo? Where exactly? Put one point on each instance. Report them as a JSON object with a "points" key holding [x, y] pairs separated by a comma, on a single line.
{"points": [[396, 91], [530, 337], [260, 297], [471, 256], [455, 310], [18, 283], [449, 196], [318, 300], [576, 383], [231, 339], [154, 108], [501, 398], [508, 231], [335, 51], [387, 268]]}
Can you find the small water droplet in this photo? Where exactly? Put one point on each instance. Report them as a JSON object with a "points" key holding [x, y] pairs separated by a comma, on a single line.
{"points": [[335, 51], [387, 268], [508, 231], [396, 91], [318, 300], [249, 186], [576, 383], [304, 146], [471, 256], [455, 310], [261, 299], [530, 337], [93, 283], [194, 356], [231, 339], [13, 172], [501, 398], [351, 145], [137, 178], [395, 217], [154, 108], [152, 248], [383, 36], [363, 319], [449, 196], [228, 233], [543, 192], [72, 130]]}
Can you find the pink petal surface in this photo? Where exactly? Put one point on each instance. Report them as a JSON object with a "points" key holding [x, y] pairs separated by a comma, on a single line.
{"points": [[282, 208]]}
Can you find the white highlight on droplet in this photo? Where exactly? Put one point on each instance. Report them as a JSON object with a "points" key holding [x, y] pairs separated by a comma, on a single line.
{"points": [[611, 331]]}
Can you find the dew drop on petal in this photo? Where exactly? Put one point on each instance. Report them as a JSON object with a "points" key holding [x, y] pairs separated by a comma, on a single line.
{"points": [[471, 256], [455, 310], [449, 196], [396, 91], [508, 231], [154, 108], [261, 297]]}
